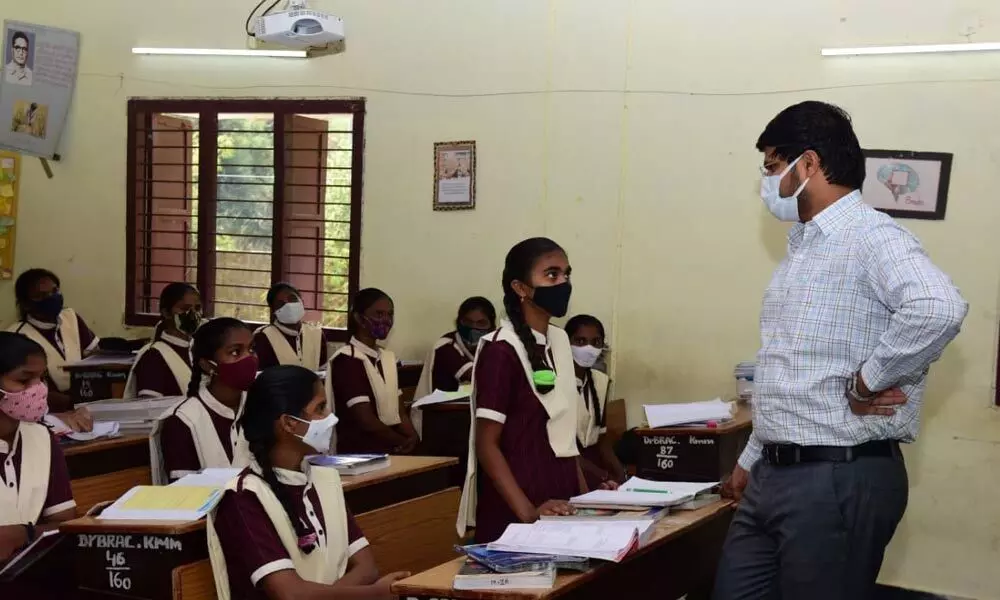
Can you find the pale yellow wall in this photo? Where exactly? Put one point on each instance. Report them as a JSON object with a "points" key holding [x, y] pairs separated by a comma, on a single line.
{"points": [[653, 192]]}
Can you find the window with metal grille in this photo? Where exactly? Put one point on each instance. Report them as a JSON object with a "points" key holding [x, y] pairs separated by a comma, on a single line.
{"points": [[234, 195]]}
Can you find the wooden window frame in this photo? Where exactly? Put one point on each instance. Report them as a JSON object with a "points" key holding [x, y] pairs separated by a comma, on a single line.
{"points": [[209, 109]]}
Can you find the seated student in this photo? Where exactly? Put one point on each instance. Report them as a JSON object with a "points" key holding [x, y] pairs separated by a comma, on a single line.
{"points": [[523, 455], [203, 430], [163, 368], [282, 528], [287, 340], [361, 379], [597, 458], [449, 363], [35, 493], [63, 335]]}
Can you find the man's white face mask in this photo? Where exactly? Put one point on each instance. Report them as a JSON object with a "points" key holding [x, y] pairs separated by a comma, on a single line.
{"points": [[783, 209]]}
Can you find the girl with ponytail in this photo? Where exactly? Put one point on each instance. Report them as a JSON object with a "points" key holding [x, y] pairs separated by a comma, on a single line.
{"points": [[202, 430], [523, 452], [163, 367], [282, 528]]}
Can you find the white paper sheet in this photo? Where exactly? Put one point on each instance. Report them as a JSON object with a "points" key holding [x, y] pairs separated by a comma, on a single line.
{"points": [[665, 415], [439, 397]]}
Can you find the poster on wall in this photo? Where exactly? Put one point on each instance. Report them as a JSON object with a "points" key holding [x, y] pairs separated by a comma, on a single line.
{"points": [[10, 167], [454, 175], [39, 74], [907, 185]]}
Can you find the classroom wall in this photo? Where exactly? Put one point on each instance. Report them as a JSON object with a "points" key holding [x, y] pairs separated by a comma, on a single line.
{"points": [[623, 129]]}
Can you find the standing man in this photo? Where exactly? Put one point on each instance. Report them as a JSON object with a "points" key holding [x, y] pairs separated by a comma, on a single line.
{"points": [[16, 71], [850, 323]]}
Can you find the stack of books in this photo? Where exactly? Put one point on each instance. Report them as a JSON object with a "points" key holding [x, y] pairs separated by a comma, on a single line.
{"points": [[486, 569], [475, 576], [134, 417]]}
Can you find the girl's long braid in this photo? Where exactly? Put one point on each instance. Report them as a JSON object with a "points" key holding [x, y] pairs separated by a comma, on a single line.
{"points": [[512, 306], [261, 451], [196, 375]]}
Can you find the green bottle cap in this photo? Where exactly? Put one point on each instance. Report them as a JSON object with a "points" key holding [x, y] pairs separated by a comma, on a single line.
{"points": [[546, 377]]}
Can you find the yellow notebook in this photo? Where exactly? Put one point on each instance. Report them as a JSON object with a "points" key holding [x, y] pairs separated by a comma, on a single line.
{"points": [[164, 503]]}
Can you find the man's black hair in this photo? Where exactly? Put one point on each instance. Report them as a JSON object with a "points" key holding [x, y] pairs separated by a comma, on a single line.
{"points": [[826, 130]]}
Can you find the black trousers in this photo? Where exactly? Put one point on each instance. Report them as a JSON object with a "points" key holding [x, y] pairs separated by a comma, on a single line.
{"points": [[812, 531]]}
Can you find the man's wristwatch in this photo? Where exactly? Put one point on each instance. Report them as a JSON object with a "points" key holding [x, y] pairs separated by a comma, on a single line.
{"points": [[854, 394]]}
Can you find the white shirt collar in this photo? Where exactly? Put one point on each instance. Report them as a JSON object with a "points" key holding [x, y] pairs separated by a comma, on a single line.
{"points": [[9, 449], [289, 477], [285, 476], [286, 330], [42, 325], [217, 407], [375, 353], [173, 340], [459, 344], [540, 338]]}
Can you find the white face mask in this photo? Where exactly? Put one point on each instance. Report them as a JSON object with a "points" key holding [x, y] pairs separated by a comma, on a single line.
{"points": [[319, 432], [586, 356], [291, 313], [783, 209]]}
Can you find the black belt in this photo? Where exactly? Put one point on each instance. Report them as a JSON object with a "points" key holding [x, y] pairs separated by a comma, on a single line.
{"points": [[783, 455]]}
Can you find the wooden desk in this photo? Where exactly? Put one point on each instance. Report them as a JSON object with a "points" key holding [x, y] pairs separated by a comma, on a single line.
{"points": [[89, 382], [679, 559], [105, 469], [692, 453], [406, 512]]}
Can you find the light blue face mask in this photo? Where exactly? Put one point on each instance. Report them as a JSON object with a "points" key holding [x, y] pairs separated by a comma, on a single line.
{"points": [[783, 209]]}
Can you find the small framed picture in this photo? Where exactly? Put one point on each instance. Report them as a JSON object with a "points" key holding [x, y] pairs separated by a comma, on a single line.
{"points": [[454, 175], [907, 185]]}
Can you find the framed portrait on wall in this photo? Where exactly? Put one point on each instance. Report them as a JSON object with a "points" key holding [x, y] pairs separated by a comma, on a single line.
{"points": [[455, 175], [907, 185]]}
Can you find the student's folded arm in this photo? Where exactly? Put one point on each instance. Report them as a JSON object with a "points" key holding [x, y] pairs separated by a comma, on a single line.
{"points": [[495, 465], [361, 569], [369, 422]]}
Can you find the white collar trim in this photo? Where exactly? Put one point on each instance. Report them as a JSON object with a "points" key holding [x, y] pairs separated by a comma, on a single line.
{"points": [[285, 330], [42, 325], [217, 407], [173, 340], [375, 353]]}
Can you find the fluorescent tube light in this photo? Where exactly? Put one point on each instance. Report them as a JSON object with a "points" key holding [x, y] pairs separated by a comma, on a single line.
{"points": [[919, 49], [223, 52]]}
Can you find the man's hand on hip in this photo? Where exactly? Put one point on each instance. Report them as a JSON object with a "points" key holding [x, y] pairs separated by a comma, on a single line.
{"points": [[734, 485], [882, 403]]}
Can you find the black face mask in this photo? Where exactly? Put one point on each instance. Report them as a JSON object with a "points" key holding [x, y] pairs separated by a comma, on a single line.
{"points": [[187, 322], [553, 299]]}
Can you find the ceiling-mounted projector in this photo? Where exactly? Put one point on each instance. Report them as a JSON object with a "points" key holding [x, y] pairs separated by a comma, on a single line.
{"points": [[299, 27]]}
